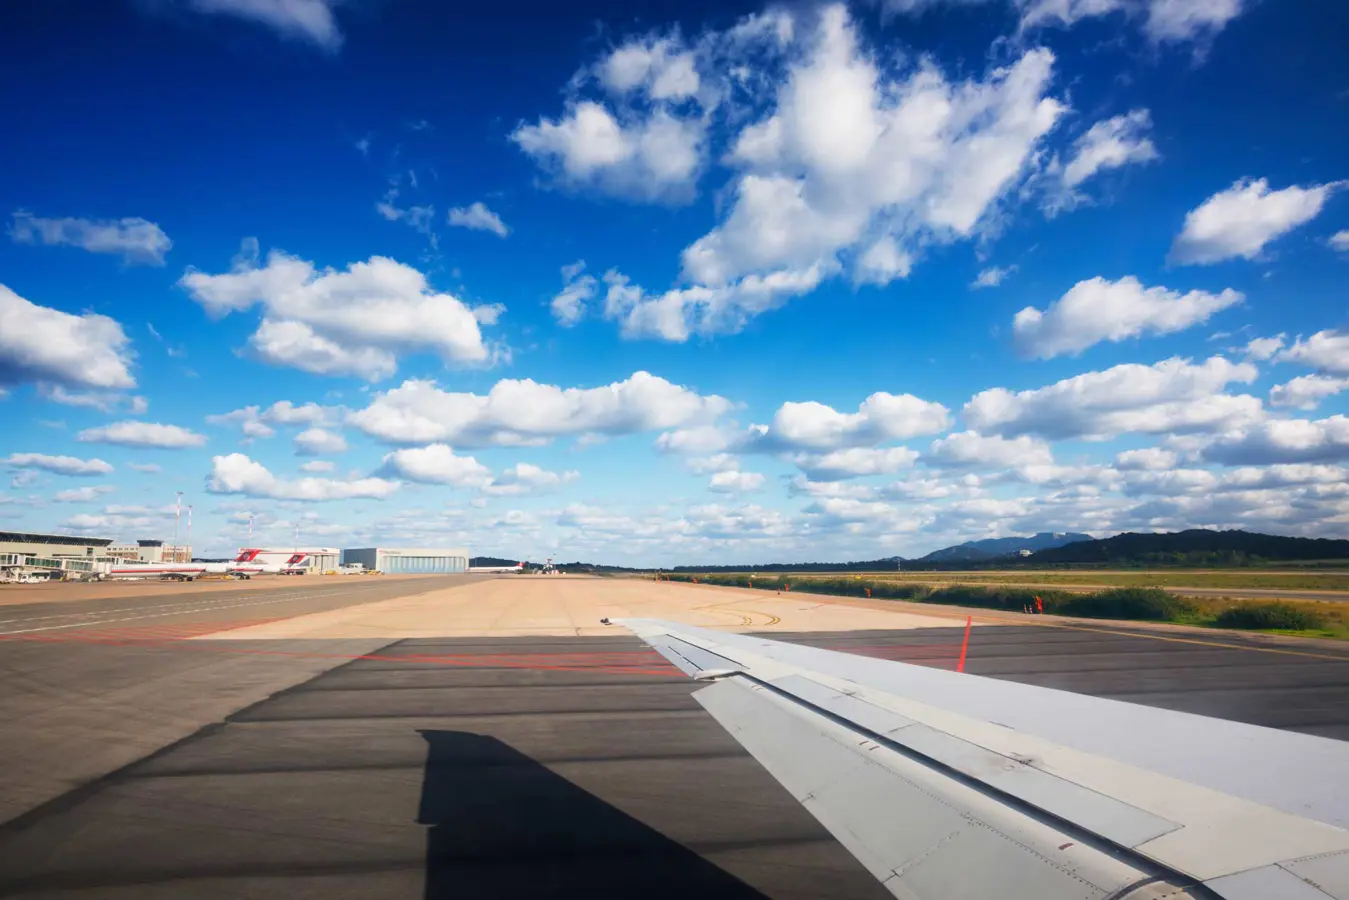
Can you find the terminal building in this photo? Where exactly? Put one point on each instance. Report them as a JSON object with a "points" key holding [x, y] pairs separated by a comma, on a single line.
{"points": [[409, 561], [22, 553]]}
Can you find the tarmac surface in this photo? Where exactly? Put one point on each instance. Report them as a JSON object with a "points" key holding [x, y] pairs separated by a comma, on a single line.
{"points": [[491, 765]]}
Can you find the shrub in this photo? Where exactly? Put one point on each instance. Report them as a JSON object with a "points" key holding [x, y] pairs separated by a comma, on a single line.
{"points": [[1148, 604], [1269, 615]]}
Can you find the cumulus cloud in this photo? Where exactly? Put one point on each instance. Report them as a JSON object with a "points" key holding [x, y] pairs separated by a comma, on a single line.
{"points": [[734, 482], [1339, 241], [1242, 220], [519, 412], [854, 462], [437, 464], [569, 306], [1307, 391], [143, 434], [256, 422], [1099, 310], [527, 478], [81, 495], [352, 322], [1173, 395], [1283, 441], [306, 20], [655, 156], [992, 276], [135, 240], [969, 449], [839, 166], [318, 465], [237, 474], [1109, 144], [38, 343], [318, 441], [1326, 351], [59, 465], [1149, 459], [880, 417], [1261, 349], [103, 401], [478, 218], [699, 439], [855, 169]]}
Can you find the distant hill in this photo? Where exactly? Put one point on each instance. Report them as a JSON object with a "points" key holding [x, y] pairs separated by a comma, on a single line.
{"points": [[991, 548], [1193, 547]]}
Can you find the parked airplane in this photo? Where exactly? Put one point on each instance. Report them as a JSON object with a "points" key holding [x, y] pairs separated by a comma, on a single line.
{"points": [[518, 567], [944, 784], [175, 571]]}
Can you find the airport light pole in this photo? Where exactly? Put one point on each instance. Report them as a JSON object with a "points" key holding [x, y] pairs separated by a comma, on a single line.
{"points": [[177, 515]]}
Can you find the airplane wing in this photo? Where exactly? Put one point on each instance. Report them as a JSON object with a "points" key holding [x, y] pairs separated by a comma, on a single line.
{"points": [[947, 785]]}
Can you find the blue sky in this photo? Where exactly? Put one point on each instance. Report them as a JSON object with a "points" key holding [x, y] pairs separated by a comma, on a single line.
{"points": [[858, 280]]}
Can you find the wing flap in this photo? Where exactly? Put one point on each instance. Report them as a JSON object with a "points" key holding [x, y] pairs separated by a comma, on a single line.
{"points": [[924, 835], [902, 733]]}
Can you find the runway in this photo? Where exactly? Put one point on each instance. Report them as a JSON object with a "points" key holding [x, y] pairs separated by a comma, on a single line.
{"points": [[332, 762]]}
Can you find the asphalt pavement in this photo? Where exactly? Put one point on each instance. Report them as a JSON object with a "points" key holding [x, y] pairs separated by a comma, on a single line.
{"points": [[524, 766]]}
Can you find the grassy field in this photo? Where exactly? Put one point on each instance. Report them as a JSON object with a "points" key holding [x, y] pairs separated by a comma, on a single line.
{"points": [[1306, 618], [1203, 578]]}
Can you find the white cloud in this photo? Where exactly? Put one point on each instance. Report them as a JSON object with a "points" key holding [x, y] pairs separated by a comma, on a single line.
{"points": [[489, 313], [1281, 476], [283, 412], [1150, 459], [1326, 351], [969, 449], [1242, 220], [1283, 441], [147, 468], [653, 157], [699, 439], [437, 464], [717, 462], [334, 322], [1339, 241], [1099, 310], [1261, 349], [237, 474], [733, 482], [854, 462], [1110, 144], [143, 434], [992, 276], [1189, 20], [662, 68], [527, 478], [523, 412], [38, 343], [479, 218], [103, 401], [681, 312], [81, 495], [850, 159], [318, 466], [60, 465], [879, 418], [1170, 396], [1307, 391], [318, 441], [569, 306], [307, 20], [135, 240]]}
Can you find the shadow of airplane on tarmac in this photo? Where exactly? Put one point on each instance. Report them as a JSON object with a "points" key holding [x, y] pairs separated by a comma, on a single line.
{"points": [[503, 826]]}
